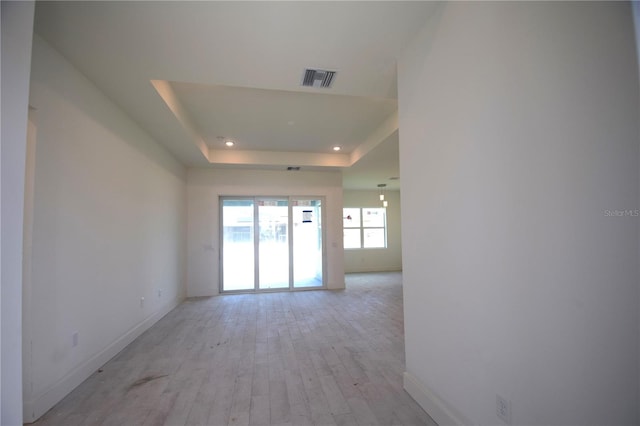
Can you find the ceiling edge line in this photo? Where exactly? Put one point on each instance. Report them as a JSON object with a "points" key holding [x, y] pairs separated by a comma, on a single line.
{"points": [[169, 97], [278, 158], [379, 135]]}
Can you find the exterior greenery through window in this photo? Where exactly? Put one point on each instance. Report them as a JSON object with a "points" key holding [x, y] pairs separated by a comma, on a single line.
{"points": [[365, 227]]}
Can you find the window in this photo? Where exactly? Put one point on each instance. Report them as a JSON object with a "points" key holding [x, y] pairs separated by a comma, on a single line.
{"points": [[365, 227]]}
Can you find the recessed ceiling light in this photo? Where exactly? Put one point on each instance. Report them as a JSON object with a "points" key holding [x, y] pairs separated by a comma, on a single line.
{"points": [[337, 148], [229, 143]]}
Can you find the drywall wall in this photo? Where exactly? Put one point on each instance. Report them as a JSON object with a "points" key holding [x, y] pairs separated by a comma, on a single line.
{"points": [[636, 23], [204, 188], [16, 36], [519, 132], [376, 260], [109, 228]]}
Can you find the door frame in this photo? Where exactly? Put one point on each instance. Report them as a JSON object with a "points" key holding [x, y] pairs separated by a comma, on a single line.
{"points": [[256, 238]]}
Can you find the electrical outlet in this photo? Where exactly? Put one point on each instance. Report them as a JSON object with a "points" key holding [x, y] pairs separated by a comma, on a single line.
{"points": [[74, 339], [503, 409]]}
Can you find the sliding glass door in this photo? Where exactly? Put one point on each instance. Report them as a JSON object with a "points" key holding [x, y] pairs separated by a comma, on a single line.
{"points": [[307, 243], [271, 243], [238, 264]]}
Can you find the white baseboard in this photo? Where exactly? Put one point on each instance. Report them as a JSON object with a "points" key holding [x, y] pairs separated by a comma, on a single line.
{"points": [[40, 404], [432, 404], [372, 270]]}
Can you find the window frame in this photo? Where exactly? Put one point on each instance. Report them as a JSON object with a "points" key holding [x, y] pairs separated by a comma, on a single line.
{"points": [[362, 228]]}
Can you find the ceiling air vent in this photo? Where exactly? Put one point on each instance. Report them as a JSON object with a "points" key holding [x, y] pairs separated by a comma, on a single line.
{"points": [[318, 78]]}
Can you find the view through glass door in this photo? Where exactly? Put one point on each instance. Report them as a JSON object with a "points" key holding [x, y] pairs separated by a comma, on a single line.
{"points": [[273, 253], [238, 265], [307, 243], [271, 243]]}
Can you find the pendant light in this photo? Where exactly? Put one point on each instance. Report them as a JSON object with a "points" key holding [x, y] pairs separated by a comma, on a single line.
{"points": [[381, 187]]}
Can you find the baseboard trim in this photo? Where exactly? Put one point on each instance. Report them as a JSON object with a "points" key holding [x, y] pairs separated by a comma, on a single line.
{"points": [[432, 404], [371, 270], [40, 404]]}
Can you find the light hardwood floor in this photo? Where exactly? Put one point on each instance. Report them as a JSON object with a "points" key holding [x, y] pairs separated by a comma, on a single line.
{"points": [[300, 358]]}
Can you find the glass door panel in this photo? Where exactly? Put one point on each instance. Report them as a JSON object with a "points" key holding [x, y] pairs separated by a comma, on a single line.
{"points": [[270, 243], [307, 243], [238, 263], [273, 243]]}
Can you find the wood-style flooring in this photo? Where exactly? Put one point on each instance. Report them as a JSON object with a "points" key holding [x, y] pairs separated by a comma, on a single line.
{"points": [[299, 358]]}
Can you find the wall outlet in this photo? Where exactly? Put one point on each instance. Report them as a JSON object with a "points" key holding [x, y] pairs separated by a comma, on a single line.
{"points": [[503, 409], [74, 339]]}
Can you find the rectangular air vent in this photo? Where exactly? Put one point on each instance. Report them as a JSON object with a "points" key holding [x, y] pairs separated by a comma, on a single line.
{"points": [[318, 78], [293, 168]]}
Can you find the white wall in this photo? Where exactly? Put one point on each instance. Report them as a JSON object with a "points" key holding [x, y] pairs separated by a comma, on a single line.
{"points": [[17, 28], [519, 130], [635, 6], [109, 228], [376, 260], [206, 185]]}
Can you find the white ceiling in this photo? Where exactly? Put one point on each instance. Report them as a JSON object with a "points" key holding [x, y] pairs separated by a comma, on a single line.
{"points": [[278, 120], [190, 72]]}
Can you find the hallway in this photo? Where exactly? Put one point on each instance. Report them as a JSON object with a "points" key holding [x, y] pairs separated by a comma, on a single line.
{"points": [[309, 357]]}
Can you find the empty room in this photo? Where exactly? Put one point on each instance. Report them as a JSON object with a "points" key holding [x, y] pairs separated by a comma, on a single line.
{"points": [[320, 213]]}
